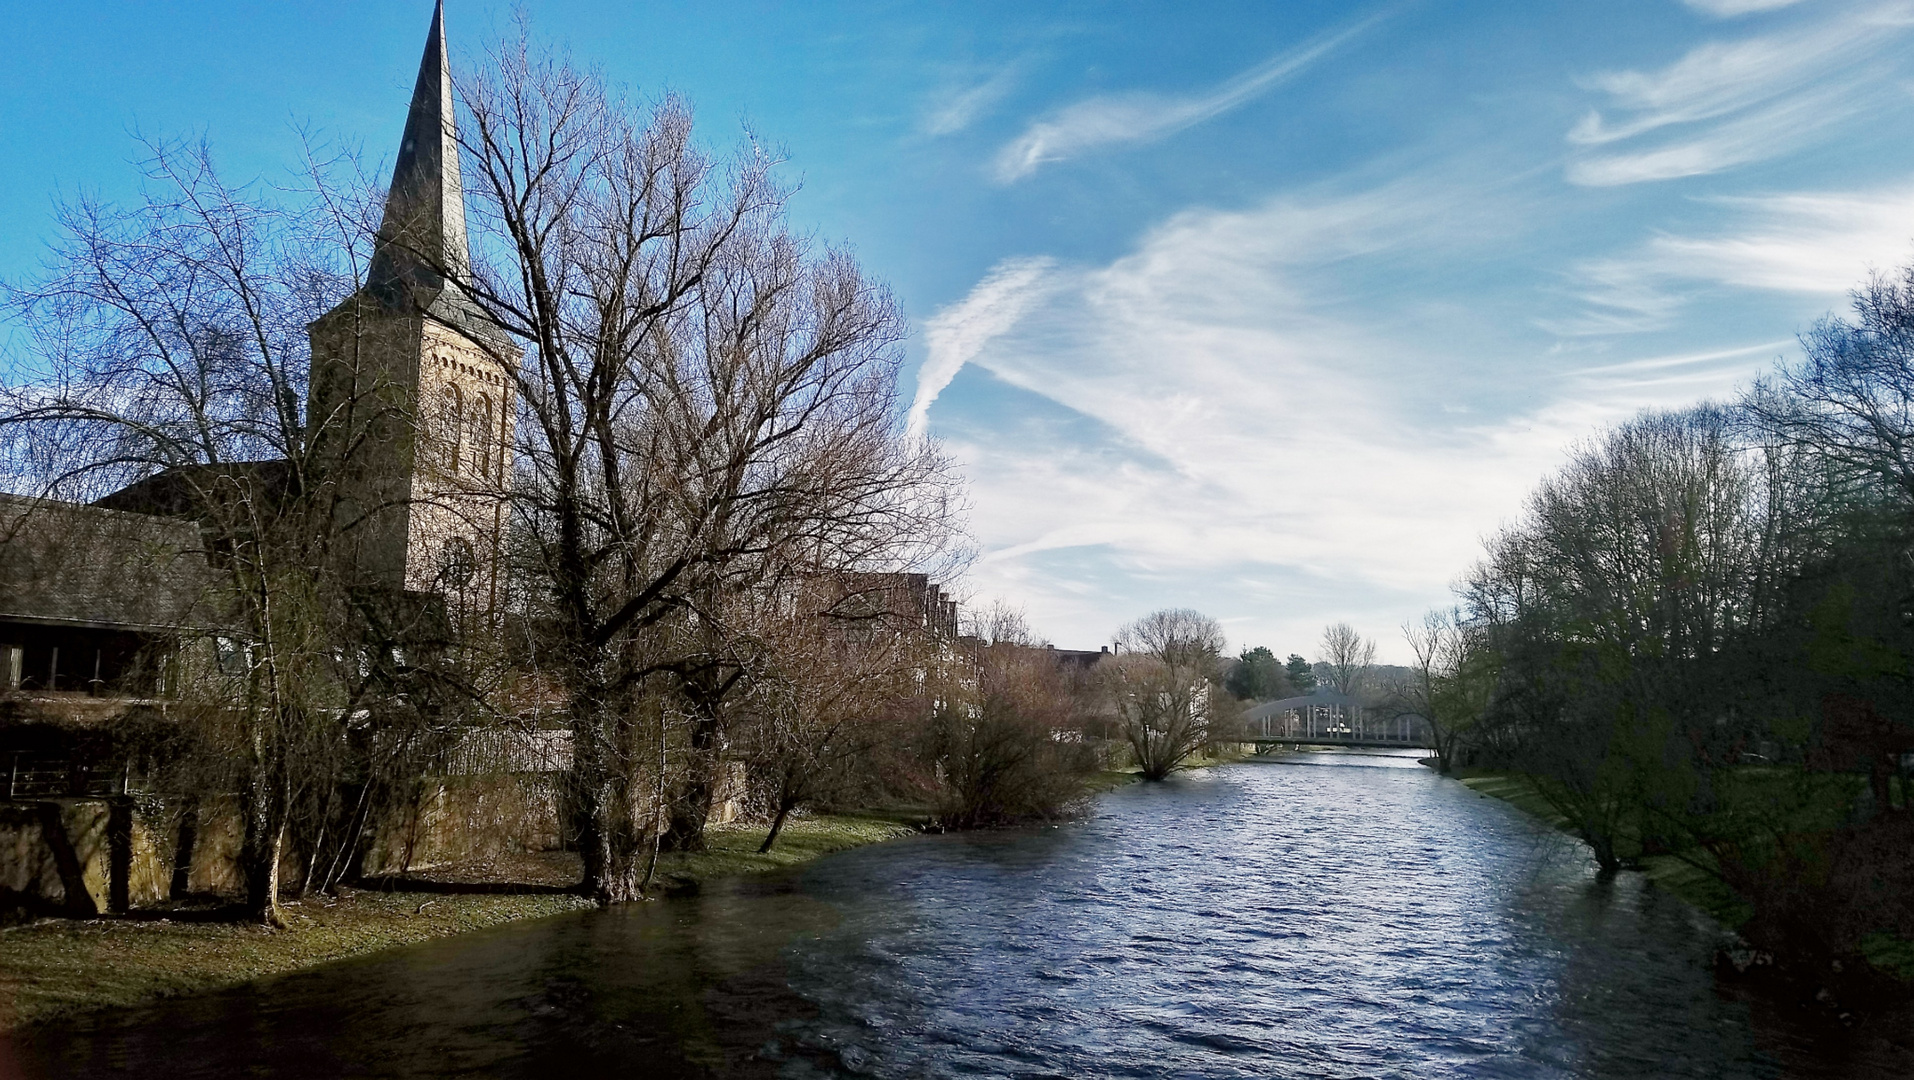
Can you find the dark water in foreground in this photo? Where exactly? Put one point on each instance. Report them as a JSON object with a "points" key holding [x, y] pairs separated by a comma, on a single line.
{"points": [[1352, 917]]}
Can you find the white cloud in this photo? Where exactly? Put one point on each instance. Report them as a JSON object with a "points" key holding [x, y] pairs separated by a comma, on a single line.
{"points": [[956, 334], [1726, 104], [1141, 117], [1258, 442], [957, 109], [1817, 243], [1728, 9], [1249, 413], [1812, 244]]}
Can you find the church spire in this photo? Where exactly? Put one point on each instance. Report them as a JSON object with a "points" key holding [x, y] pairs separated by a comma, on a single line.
{"points": [[424, 226]]}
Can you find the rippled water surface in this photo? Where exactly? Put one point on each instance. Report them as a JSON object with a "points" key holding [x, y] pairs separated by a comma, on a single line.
{"points": [[1344, 917]]}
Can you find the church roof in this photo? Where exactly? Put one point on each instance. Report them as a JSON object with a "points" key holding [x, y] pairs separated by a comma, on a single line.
{"points": [[422, 237], [62, 563]]}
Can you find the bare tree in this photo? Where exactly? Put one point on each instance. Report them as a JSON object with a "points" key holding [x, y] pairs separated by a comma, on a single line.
{"points": [[842, 672], [1452, 682], [169, 366], [1164, 687], [1007, 730], [1350, 657], [708, 414]]}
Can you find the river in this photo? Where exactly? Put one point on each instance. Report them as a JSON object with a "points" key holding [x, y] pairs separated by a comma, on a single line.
{"points": [[1337, 915]]}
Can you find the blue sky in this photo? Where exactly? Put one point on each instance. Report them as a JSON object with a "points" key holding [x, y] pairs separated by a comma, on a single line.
{"points": [[1268, 309]]}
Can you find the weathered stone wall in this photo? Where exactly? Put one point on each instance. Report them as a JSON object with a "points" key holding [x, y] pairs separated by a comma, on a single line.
{"points": [[31, 875], [463, 818], [455, 819]]}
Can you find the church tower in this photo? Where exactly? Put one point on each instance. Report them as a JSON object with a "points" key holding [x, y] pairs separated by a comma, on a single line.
{"points": [[411, 397]]}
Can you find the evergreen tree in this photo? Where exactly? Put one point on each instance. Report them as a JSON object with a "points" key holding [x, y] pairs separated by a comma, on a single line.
{"points": [[1301, 675]]}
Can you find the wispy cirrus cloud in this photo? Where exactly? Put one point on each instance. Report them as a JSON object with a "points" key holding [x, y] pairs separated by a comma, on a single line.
{"points": [[955, 335], [1813, 243], [1726, 104], [1728, 9], [957, 108], [1818, 244], [1110, 119], [1225, 429]]}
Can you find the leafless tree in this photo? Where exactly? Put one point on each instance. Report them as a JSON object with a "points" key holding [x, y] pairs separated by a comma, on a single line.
{"points": [[841, 677], [169, 348], [1452, 681], [1164, 687], [1007, 731], [1350, 657], [708, 414]]}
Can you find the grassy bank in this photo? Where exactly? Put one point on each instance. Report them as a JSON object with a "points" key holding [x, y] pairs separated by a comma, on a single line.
{"points": [[1680, 878], [60, 966]]}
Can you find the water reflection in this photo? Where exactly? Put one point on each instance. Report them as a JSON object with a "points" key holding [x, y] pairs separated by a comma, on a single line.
{"points": [[1340, 915]]}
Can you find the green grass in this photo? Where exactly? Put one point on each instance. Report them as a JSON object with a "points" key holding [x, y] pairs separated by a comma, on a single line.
{"points": [[59, 966], [56, 967], [1674, 875], [733, 849]]}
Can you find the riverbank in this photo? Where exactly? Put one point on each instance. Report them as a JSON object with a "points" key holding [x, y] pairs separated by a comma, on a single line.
{"points": [[57, 967], [1889, 961], [1669, 873]]}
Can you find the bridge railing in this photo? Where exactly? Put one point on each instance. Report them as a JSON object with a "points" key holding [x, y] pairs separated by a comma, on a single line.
{"points": [[1339, 723]]}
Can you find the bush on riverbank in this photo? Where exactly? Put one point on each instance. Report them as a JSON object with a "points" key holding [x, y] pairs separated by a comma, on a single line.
{"points": [[1008, 740], [1806, 891]]}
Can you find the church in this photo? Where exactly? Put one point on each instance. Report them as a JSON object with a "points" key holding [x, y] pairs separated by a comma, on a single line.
{"points": [[99, 601]]}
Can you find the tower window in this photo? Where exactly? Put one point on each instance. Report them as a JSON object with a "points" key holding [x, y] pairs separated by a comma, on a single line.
{"points": [[479, 435], [457, 563], [449, 428]]}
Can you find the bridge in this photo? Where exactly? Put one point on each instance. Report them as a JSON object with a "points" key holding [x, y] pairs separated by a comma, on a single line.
{"points": [[1266, 744], [1327, 718]]}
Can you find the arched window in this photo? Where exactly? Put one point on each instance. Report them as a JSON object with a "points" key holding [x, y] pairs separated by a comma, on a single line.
{"points": [[449, 428], [479, 435], [457, 563], [504, 439]]}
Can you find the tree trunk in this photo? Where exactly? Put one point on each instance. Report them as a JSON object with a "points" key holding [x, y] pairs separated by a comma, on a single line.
{"points": [[77, 901], [259, 850], [615, 871], [604, 812], [691, 810], [183, 849], [777, 826]]}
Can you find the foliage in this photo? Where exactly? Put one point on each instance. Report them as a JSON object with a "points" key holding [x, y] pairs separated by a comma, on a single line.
{"points": [[1257, 676], [1300, 673], [1700, 638]]}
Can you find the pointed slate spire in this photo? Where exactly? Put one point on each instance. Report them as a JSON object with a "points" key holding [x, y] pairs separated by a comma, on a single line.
{"points": [[424, 225]]}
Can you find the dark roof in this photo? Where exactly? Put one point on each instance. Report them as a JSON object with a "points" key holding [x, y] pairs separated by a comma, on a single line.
{"points": [[183, 491], [78, 565], [422, 236]]}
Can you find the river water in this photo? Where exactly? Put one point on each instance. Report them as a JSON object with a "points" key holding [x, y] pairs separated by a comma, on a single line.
{"points": [[1337, 915]]}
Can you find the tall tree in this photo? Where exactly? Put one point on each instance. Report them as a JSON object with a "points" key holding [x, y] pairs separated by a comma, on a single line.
{"points": [[709, 413], [1257, 676], [170, 360], [1452, 681], [1300, 673], [1350, 656], [1164, 687]]}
